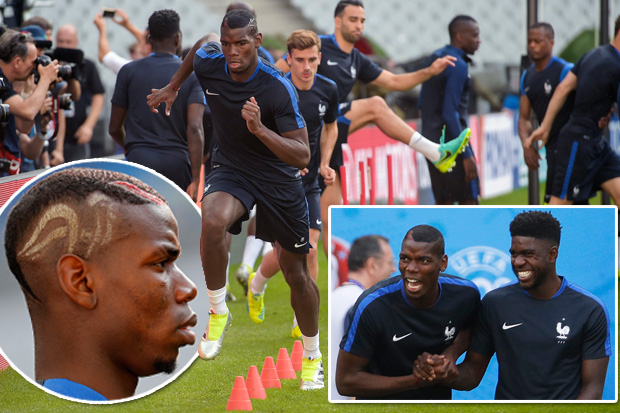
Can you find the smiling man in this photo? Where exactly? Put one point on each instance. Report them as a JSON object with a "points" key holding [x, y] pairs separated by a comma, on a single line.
{"points": [[261, 145], [551, 336], [99, 323], [402, 317]]}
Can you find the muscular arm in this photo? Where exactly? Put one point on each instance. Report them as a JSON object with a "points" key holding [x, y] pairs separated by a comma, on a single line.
{"points": [[470, 371], [195, 143], [329, 136], [405, 81], [292, 147], [353, 380], [168, 94], [557, 101], [117, 128], [525, 129], [593, 377]]}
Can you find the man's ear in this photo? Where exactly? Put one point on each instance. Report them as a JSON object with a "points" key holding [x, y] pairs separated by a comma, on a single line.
{"points": [[76, 280], [258, 40], [444, 263]]}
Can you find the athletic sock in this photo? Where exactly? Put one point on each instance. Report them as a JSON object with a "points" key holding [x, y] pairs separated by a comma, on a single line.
{"points": [[266, 248], [252, 249], [427, 148], [217, 298], [311, 346], [259, 283], [227, 269], [295, 321]]}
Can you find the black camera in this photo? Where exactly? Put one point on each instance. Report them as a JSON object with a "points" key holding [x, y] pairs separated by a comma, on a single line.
{"points": [[4, 113], [64, 71], [64, 101]]}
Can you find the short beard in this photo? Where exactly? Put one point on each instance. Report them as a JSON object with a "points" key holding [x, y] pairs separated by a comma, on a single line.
{"points": [[165, 366]]}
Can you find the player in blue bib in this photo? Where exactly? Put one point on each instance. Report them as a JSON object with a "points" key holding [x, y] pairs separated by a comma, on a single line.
{"points": [[551, 337], [318, 102], [586, 161], [400, 318], [261, 145]]}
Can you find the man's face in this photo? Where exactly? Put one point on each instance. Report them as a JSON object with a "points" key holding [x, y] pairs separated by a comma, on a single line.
{"points": [[420, 265], [144, 315], [240, 49], [532, 261], [539, 44], [304, 64], [384, 264], [350, 23], [25, 66], [66, 38], [470, 36]]}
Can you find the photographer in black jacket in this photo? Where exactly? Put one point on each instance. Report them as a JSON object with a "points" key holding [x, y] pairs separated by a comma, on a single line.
{"points": [[18, 55]]}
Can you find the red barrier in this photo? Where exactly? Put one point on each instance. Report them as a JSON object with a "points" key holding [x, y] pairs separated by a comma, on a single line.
{"points": [[372, 182], [390, 174], [362, 183], [343, 184]]}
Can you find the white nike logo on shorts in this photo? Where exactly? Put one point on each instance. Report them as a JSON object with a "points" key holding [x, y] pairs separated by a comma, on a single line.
{"points": [[508, 327], [395, 339], [211, 93], [318, 222], [300, 245]]}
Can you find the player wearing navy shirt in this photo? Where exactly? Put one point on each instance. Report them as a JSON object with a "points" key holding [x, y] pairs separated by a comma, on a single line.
{"points": [[538, 82], [585, 159], [261, 143], [318, 102], [171, 146], [551, 337], [443, 101], [399, 318], [344, 64]]}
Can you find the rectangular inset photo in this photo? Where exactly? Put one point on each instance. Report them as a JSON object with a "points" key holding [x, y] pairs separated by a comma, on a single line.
{"points": [[462, 304]]}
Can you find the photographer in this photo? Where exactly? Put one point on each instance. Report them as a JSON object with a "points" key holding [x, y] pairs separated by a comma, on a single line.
{"points": [[52, 118], [85, 111], [18, 55]]}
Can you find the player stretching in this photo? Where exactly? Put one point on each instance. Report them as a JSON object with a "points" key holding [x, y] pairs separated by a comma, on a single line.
{"points": [[344, 64], [318, 102], [261, 144]]}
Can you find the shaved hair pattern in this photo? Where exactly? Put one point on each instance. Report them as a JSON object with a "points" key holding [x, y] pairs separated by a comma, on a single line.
{"points": [[74, 211]]}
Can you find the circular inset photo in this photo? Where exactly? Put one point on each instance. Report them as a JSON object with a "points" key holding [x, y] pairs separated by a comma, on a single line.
{"points": [[102, 281]]}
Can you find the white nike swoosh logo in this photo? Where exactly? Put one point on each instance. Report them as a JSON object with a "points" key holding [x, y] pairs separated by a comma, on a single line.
{"points": [[300, 245], [318, 222], [330, 63], [211, 93], [207, 188], [395, 339], [506, 327]]}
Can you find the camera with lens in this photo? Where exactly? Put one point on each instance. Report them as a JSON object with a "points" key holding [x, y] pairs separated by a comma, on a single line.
{"points": [[64, 101], [66, 71]]}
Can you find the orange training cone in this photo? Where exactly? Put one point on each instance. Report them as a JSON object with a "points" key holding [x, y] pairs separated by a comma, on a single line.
{"points": [[239, 398], [256, 390], [269, 375], [297, 355], [284, 366]]}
